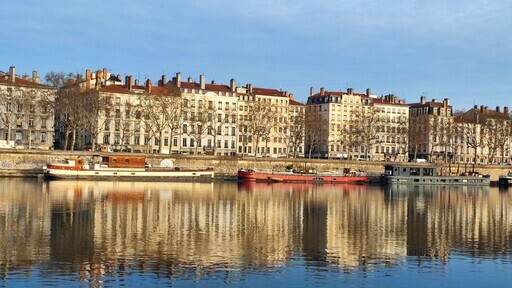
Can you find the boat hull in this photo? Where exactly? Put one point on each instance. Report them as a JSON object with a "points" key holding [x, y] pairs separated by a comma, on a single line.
{"points": [[129, 174], [298, 177], [505, 180]]}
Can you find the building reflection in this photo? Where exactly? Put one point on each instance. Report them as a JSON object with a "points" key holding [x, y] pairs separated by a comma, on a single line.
{"points": [[107, 227]]}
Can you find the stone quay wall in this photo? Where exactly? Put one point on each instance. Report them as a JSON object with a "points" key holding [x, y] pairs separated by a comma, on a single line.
{"points": [[31, 162]]}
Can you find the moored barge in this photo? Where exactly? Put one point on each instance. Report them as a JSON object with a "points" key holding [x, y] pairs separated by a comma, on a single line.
{"points": [[122, 167], [428, 175]]}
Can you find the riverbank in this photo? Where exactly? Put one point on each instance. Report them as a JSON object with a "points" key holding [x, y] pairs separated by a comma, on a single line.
{"points": [[29, 163]]}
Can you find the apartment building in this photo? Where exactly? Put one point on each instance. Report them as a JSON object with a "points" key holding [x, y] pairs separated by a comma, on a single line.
{"points": [[264, 127], [102, 111], [209, 117], [350, 125], [483, 136], [431, 129], [26, 111]]}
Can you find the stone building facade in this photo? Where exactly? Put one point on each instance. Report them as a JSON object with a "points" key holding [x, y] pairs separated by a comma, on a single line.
{"points": [[26, 111], [350, 125]]}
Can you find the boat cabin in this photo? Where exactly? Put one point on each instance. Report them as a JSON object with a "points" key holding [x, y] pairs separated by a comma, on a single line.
{"points": [[406, 171], [124, 161]]}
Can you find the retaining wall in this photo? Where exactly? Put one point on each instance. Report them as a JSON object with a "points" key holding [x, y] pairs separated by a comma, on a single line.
{"points": [[30, 162]]}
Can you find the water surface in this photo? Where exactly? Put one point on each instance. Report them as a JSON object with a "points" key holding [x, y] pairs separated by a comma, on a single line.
{"points": [[67, 233]]}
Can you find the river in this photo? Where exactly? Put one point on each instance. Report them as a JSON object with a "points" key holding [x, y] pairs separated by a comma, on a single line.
{"points": [[111, 234]]}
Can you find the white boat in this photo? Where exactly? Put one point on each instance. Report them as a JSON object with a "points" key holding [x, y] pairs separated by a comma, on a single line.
{"points": [[505, 180], [122, 167]]}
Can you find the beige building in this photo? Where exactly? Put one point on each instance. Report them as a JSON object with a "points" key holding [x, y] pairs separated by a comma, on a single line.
{"points": [[26, 111], [178, 117], [350, 125], [209, 117], [431, 130], [483, 136], [263, 115]]}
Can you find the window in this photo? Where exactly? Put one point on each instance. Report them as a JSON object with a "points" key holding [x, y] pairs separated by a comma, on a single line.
{"points": [[106, 138]]}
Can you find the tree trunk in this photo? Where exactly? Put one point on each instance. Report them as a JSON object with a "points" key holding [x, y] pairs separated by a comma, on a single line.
{"points": [[73, 140], [160, 142]]}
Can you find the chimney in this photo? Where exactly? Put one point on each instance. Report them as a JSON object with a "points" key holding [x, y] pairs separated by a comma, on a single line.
{"points": [[475, 107], [202, 81], [213, 82], [498, 109], [25, 77], [105, 77], [445, 103], [481, 108], [136, 82], [148, 86], [12, 74], [485, 108], [291, 96], [128, 82], [189, 80], [423, 100], [249, 88], [164, 80], [350, 91], [178, 80], [433, 100], [311, 91], [368, 92], [322, 91], [232, 85], [88, 79], [505, 110], [34, 76]]}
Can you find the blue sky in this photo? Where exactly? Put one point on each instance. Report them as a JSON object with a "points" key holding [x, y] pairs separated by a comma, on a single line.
{"points": [[441, 49]]}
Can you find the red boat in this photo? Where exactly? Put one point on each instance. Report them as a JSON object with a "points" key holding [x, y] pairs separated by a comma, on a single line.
{"points": [[313, 177]]}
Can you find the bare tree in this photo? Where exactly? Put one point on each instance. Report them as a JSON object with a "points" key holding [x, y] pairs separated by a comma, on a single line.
{"points": [[70, 113], [474, 139], [57, 79], [155, 108], [199, 124], [364, 128], [316, 130], [33, 107], [7, 115], [297, 132], [174, 114]]}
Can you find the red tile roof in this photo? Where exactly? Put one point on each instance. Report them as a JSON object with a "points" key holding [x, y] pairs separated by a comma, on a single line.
{"points": [[209, 87], [268, 92], [336, 93], [21, 82], [155, 90], [293, 102]]}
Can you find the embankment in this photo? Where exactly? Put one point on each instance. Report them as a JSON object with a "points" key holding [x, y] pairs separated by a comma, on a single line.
{"points": [[29, 163]]}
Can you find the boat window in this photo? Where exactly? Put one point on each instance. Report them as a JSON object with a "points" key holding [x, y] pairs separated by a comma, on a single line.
{"points": [[415, 171], [428, 172]]}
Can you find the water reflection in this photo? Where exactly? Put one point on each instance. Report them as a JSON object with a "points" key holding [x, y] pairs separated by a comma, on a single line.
{"points": [[101, 229]]}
